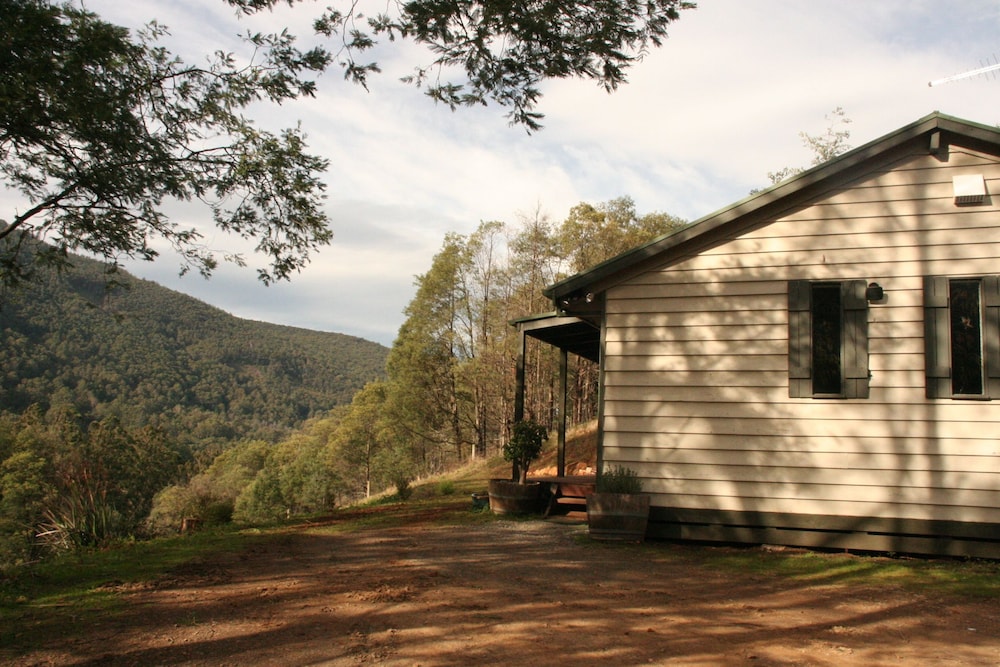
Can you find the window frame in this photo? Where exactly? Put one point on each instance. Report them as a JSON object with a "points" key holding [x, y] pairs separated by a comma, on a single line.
{"points": [[937, 337], [854, 367]]}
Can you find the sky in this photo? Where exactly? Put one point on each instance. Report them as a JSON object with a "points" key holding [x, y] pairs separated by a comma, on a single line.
{"points": [[701, 122]]}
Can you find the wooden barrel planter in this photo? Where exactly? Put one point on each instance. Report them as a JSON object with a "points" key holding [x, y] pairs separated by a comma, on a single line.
{"points": [[507, 497], [618, 516]]}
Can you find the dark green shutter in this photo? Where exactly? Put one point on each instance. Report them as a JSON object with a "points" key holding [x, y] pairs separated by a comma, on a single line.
{"points": [[937, 337], [855, 346], [799, 335], [991, 334]]}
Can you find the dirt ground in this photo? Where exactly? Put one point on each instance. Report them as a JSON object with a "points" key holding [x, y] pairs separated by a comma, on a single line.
{"points": [[511, 593]]}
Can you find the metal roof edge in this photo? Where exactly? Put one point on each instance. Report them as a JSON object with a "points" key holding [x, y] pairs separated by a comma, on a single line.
{"points": [[534, 317]]}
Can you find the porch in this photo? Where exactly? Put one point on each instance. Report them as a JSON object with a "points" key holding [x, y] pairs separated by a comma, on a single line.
{"points": [[567, 334]]}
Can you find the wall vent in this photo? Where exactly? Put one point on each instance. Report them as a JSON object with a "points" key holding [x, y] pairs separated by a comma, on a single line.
{"points": [[969, 189]]}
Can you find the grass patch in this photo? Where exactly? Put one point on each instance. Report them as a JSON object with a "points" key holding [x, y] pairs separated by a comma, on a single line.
{"points": [[44, 599], [964, 578], [74, 576], [425, 507]]}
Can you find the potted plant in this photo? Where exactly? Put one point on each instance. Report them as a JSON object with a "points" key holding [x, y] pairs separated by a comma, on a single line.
{"points": [[517, 495], [618, 509]]}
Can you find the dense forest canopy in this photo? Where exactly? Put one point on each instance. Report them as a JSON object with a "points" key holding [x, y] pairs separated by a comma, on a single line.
{"points": [[149, 356], [111, 392]]}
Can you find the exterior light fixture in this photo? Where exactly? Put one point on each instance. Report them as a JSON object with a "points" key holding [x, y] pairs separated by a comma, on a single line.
{"points": [[874, 293]]}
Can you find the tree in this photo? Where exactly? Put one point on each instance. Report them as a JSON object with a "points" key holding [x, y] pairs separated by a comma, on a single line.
{"points": [[484, 359], [25, 491], [106, 478], [212, 494], [591, 234], [361, 435], [504, 48], [824, 146], [98, 128], [423, 396]]}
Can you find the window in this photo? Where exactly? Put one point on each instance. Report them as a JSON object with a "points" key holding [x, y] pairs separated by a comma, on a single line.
{"points": [[962, 337], [827, 339]]}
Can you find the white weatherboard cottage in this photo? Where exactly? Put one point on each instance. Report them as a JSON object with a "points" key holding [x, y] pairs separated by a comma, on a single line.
{"points": [[818, 364]]}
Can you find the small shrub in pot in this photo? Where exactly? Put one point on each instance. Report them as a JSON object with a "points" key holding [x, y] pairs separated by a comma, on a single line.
{"points": [[524, 446], [618, 510], [619, 479]]}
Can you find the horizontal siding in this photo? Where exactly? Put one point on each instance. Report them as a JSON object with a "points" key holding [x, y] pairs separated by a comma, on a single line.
{"points": [[695, 365], [701, 464], [773, 397], [944, 417], [662, 446], [806, 427], [798, 502], [879, 267], [858, 259]]}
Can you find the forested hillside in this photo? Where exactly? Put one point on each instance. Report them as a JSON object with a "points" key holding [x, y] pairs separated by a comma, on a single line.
{"points": [[154, 357], [150, 407]]}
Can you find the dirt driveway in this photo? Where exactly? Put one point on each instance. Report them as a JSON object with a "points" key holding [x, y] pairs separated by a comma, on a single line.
{"points": [[512, 593]]}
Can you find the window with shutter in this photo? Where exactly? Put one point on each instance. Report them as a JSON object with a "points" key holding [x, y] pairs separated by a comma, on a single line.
{"points": [[962, 337], [827, 339]]}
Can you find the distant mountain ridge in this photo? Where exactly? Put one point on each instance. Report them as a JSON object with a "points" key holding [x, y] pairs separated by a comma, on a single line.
{"points": [[150, 355]]}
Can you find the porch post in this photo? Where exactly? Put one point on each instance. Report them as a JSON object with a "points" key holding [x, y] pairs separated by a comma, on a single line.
{"points": [[563, 401], [519, 376], [519, 389]]}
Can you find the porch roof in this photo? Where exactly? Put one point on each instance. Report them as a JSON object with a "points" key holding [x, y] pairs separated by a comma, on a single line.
{"points": [[572, 334]]}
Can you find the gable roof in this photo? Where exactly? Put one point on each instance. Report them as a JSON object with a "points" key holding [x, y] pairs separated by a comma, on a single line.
{"points": [[935, 132]]}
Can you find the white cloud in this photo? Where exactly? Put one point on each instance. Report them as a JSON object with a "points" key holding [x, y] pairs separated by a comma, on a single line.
{"points": [[702, 121]]}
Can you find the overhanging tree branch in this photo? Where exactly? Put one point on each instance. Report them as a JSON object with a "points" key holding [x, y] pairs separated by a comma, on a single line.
{"points": [[100, 128]]}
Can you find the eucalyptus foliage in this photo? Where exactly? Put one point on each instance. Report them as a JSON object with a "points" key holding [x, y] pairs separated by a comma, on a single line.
{"points": [[499, 50], [99, 128]]}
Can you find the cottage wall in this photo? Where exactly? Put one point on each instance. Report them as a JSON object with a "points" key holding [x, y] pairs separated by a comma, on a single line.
{"points": [[695, 377]]}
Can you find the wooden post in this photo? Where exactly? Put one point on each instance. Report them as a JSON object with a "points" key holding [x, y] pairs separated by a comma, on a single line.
{"points": [[519, 387], [519, 379], [563, 402]]}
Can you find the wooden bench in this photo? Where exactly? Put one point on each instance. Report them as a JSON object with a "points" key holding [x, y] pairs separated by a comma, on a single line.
{"points": [[570, 491]]}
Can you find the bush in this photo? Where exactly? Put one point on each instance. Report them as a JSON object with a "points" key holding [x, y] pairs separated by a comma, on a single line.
{"points": [[446, 487], [262, 501], [524, 446], [403, 488], [619, 479], [170, 507], [219, 512]]}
